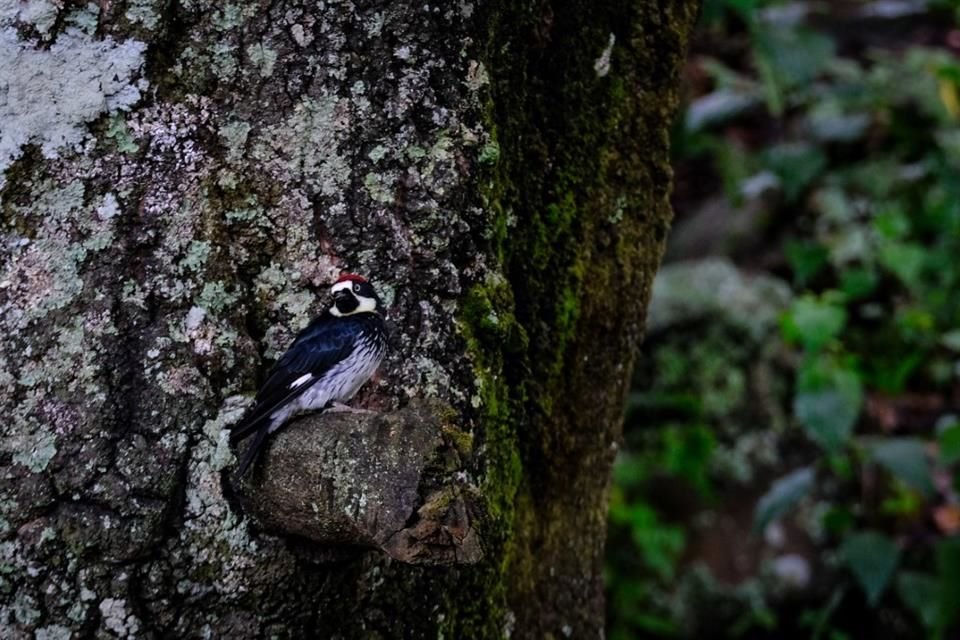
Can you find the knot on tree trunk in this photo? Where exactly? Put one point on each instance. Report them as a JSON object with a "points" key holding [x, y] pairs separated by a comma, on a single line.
{"points": [[390, 481]]}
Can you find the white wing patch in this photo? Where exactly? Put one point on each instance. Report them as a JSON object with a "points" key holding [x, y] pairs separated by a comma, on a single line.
{"points": [[307, 377]]}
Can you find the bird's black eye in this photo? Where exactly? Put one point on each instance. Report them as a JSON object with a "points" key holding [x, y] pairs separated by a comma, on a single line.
{"points": [[356, 288]]}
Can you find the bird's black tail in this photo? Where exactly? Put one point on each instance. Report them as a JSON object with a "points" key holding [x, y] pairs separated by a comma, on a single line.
{"points": [[258, 420], [263, 411], [250, 455], [250, 423]]}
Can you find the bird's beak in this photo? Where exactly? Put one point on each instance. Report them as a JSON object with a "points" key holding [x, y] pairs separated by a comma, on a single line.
{"points": [[341, 295]]}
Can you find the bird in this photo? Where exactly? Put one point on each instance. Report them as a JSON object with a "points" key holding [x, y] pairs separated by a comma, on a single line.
{"points": [[328, 362]]}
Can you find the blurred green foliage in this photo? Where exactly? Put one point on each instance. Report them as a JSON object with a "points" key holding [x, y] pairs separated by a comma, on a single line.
{"points": [[862, 143]]}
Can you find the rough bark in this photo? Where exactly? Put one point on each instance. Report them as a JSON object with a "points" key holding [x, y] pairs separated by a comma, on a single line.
{"points": [[390, 481], [180, 180]]}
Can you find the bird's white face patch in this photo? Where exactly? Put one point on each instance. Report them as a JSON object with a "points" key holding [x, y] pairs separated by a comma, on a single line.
{"points": [[305, 378], [364, 304]]}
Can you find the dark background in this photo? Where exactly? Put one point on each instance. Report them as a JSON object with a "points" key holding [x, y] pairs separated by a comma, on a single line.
{"points": [[789, 466]]}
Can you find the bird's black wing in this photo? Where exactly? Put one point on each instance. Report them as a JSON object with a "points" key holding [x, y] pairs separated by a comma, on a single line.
{"points": [[324, 343]]}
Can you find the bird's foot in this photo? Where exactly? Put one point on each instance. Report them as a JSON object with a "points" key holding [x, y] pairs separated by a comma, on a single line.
{"points": [[339, 407]]}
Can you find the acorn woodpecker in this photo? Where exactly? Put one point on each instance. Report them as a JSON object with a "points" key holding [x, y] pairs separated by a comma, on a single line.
{"points": [[324, 367]]}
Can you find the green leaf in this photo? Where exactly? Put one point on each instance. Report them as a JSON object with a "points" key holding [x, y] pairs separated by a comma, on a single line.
{"points": [[806, 259], [787, 58], [904, 260], [719, 107], [857, 283], [687, 453], [660, 545], [838, 127], [833, 206], [797, 165], [659, 625], [872, 557], [783, 495], [837, 520], [903, 502], [629, 470], [915, 322], [949, 440], [892, 222], [890, 371], [746, 8], [921, 593], [819, 619], [905, 458], [733, 163], [948, 568], [813, 322], [828, 407], [951, 340]]}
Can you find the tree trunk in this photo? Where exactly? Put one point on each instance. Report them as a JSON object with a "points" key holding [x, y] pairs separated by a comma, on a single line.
{"points": [[180, 183]]}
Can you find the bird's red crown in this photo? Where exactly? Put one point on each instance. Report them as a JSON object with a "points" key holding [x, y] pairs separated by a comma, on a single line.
{"points": [[352, 277]]}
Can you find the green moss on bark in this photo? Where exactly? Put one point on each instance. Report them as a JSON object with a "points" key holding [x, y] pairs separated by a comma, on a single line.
{"points": [[579, 190]]}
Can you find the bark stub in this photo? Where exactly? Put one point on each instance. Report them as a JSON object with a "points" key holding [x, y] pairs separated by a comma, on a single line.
{"points": [[388, 481]]}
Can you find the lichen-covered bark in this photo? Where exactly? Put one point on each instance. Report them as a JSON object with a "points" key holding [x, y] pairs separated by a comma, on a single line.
{"points": [[180, 181], [390, 481]]}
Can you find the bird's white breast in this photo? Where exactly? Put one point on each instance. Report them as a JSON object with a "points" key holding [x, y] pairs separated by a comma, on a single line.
{"points": [[344, 379]]}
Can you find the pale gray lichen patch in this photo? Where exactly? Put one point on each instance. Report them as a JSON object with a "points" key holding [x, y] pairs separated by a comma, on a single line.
{"points": [[50, 95], [300, 35], [305, 147], [306, 261], [477, 76], [602, 64], [43, 274], [40, 13], [262, 58], [225, 59], [284, 297], [38, 280], [171, 132], [226, 18], [198, 252], [117, 130], [215, 297], [118, 619], [377, 153], [109, 207], [143, 12], [374, 24], [85, 18], [25, 609], [213, 541], [66, 365], [433, 379], [379, 187], [34, 452], [234, 135], [54, 632]]}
